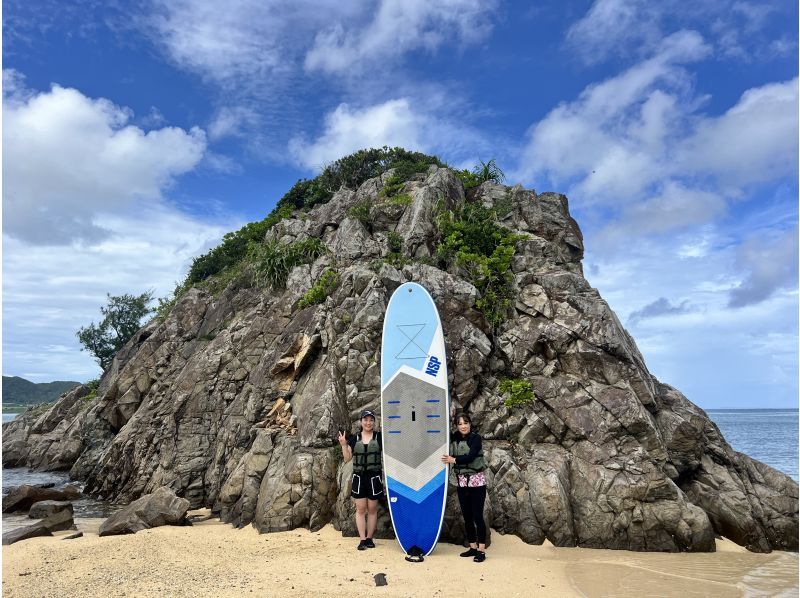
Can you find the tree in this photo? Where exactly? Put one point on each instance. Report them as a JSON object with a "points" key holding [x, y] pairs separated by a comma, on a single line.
{"points": [[121, 319]]}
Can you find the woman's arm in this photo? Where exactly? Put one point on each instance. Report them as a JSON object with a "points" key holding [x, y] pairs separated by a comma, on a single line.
{"points": [[347, 452]]}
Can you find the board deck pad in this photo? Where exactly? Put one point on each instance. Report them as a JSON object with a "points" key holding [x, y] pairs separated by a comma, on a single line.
{"points": [[415, 407]]}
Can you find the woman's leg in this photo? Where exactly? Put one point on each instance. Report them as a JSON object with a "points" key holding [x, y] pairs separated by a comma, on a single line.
{"points": [[465, 501], [361, 523], [478, 498], [372, 517]]}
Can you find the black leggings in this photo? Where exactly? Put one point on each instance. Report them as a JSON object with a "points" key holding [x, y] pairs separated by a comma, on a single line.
{"points": [[471, 501]]}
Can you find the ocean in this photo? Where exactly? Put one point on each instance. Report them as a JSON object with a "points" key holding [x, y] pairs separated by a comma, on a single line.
{"points": [[769, 435]]}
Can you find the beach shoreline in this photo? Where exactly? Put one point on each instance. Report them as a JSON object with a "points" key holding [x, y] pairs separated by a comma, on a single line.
{"points": [[214, 559]]}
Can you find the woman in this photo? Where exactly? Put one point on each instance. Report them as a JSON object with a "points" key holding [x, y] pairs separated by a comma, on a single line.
{"points": [[365, 448], [467, 460]]}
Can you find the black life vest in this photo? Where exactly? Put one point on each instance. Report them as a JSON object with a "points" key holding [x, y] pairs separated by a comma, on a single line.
{"points": [[367, 457], [459, 448]]}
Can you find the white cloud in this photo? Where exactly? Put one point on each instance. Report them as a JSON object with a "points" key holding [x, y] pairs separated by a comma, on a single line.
{"points": [[613, 141], [637, 145], [396, 122], [392, 123], [233, 121], [675, 207], [676, 307], [737, 30], [397, 27], [612, 24], [769, 264], [754, 141], [69, 157], [49, 292]]}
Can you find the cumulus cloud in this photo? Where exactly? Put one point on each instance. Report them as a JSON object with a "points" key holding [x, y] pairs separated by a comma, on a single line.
{"points": [[69, 157], [614, 140], [754, 141], [396, 122], [638, 146], [49, 292], [397, 27], [738, 30], [769, 265]]}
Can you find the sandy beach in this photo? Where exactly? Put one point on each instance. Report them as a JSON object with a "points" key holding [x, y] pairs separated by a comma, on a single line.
{"points": [[214, 559]]}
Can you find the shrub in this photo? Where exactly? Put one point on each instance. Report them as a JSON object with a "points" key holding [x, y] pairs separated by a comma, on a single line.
{"points": [[519, 392], [234, 246], [482, 172], [483, 250], [395, 242], [360, 212], [272, 261], [321, 289], [394, 184], [402, 199]]}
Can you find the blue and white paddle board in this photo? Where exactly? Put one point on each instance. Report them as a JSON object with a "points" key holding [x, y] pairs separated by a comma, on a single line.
{"points": [[415, 408]]}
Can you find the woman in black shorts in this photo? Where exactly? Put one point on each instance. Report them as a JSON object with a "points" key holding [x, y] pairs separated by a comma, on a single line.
{"points": [[365, 450], [466, 456]]}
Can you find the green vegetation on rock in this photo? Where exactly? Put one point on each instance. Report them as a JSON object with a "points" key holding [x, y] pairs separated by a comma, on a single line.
{"points": [[518, 392], [485, 171], [482, 250], [321, 289], [273, 261]]}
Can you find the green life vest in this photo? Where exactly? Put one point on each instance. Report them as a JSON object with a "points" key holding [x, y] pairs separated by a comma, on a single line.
{"points": [[367, 457], [459, 448]]}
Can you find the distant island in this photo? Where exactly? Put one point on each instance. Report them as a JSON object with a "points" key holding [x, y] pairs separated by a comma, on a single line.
{"points": [[19, 393]]}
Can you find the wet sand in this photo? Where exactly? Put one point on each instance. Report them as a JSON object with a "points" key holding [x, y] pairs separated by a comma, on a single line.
{"points": [[214, 559]]}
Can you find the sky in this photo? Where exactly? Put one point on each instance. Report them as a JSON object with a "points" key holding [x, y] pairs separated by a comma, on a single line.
{"points": [[136, 134]]}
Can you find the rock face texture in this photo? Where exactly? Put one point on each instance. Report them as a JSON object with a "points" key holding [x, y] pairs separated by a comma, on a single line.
{"points": [[161, 507], [233, 401]]}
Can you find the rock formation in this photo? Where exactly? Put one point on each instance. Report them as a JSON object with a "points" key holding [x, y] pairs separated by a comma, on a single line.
{"points": [[161, 507], [233, 400]]}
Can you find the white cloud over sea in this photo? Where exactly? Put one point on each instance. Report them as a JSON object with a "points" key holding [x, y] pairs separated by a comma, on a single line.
{"points": [[85, 214]]}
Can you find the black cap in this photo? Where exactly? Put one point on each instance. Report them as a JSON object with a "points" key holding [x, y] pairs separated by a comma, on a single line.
{"points": [[367, 413]]}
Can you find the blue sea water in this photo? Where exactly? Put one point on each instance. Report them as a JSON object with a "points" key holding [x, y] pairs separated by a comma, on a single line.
{"points": [[769, 435]]}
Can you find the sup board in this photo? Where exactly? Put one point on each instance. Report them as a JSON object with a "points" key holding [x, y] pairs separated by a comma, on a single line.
{"points": [[415, 408]]}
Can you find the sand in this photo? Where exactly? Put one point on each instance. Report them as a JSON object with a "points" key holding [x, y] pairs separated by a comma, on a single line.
{"points": [[214, 559]]}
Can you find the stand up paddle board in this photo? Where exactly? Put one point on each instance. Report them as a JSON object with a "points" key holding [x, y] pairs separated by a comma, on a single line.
{"points": [[415, 409]]}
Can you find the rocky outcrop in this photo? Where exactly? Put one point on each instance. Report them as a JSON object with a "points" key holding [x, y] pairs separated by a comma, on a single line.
{"points": [[234, 401], [23, 497], [161, 507]]}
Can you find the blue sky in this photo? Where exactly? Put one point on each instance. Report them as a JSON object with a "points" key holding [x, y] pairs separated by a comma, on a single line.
{"points": [[136, 135]]}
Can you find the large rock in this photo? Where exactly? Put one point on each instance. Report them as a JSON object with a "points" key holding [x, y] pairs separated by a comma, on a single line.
{"points": [[34, 530], [60, 520], [234, 399], [45, 508], [23, 497], [162, 507]]}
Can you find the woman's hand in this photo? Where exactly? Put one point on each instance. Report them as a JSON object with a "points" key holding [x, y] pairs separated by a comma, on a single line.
{"points": [[342, 439], [448, 459]]}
